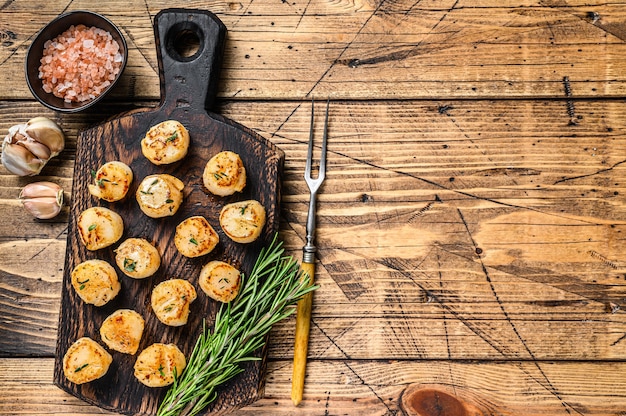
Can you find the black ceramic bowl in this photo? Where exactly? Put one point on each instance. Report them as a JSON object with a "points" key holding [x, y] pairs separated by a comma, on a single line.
{"points": [[52, 30]]}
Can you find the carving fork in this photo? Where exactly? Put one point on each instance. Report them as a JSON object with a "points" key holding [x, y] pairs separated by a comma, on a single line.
{"points": [[303, 313]]}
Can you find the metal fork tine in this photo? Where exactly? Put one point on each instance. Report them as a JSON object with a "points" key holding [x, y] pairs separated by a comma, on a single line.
{"points": [[309, 156], [322, 171], [314, 183]]}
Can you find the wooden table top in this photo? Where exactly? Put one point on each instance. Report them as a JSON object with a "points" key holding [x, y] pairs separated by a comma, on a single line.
{"points": [[470, 226]]}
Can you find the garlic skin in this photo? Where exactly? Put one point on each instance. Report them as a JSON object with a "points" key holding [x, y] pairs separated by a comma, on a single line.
{"points": [[28, 147], [43, 200]]}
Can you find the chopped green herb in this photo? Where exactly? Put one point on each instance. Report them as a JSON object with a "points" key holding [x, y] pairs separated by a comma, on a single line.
{"points": [[130, 265], [243, 209], [169, 201], [100, 182], [149, 190], [83, 282], [193, 241], [161, 370], [92, 227], [77, 369], [171, 138], [81, 287], [93, 174], [219, 175]]}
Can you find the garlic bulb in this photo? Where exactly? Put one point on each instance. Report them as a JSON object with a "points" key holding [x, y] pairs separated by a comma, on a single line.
{"points": [[42, 199], [28, 147]]}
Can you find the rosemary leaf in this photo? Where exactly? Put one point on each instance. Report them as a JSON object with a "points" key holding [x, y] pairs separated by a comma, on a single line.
{"points": [[267, 296]]}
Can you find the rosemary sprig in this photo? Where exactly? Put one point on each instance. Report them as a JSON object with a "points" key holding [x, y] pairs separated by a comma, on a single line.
{"points": [[267, 296]]}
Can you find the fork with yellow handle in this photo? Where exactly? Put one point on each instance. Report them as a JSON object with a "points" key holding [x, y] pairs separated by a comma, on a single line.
{"points": [[303, 313]]}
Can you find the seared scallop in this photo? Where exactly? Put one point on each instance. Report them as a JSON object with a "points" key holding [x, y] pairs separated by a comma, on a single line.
{"points": [[137, 258], [220, 281], [157, 365], [243, 221], [95, 282], [85, 361], [171, 299], [165, 143], [160, 195], [195, 237], [122, 331], [111, 181], [99, 227], [224, 174]]}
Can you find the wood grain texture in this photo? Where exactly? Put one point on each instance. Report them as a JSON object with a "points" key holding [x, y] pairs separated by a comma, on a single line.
{"points": [[470, 228], [354, 49], [373, 388], [449, 231]]}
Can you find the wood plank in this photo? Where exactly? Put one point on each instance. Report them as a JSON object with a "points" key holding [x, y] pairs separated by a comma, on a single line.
{"points": [[291, 50], [447, 229], [374, 388]]}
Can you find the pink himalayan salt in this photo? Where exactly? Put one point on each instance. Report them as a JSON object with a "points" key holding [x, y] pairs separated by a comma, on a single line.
{"points": [[80, 63]]}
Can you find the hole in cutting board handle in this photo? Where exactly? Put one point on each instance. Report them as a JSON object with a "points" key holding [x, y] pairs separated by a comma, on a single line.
{"points": [[184, 41], [190, 49]]}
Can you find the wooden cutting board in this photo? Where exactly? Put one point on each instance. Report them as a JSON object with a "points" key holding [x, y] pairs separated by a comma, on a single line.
{"points": [[188, 88]]}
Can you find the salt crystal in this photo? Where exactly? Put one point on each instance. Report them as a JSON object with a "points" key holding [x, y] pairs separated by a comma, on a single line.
{"points": [[77, 51]]}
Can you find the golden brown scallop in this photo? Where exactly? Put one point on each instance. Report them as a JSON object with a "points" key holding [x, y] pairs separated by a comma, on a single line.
{"points": [[160, 195], [165, 143], [85, 361], [195, 237], [137, 258], [99, 227], [95, 281], [243, 221], [122, 331], [111, 181], [171, 300], [157, 364], [224, 174], [220, 281]]}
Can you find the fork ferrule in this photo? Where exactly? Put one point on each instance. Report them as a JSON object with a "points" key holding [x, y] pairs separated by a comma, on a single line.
{"points": [[308, 251]]}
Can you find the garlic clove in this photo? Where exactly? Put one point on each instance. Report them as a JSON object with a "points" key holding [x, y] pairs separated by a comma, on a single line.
{"points": [[29, 146], [41, 189], [39, 150], [43, 200], [19, 160], [42, 208], [47, 132]]}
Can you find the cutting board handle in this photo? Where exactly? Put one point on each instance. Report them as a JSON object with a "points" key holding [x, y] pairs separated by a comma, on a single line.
{"points": [[190, 49]]}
